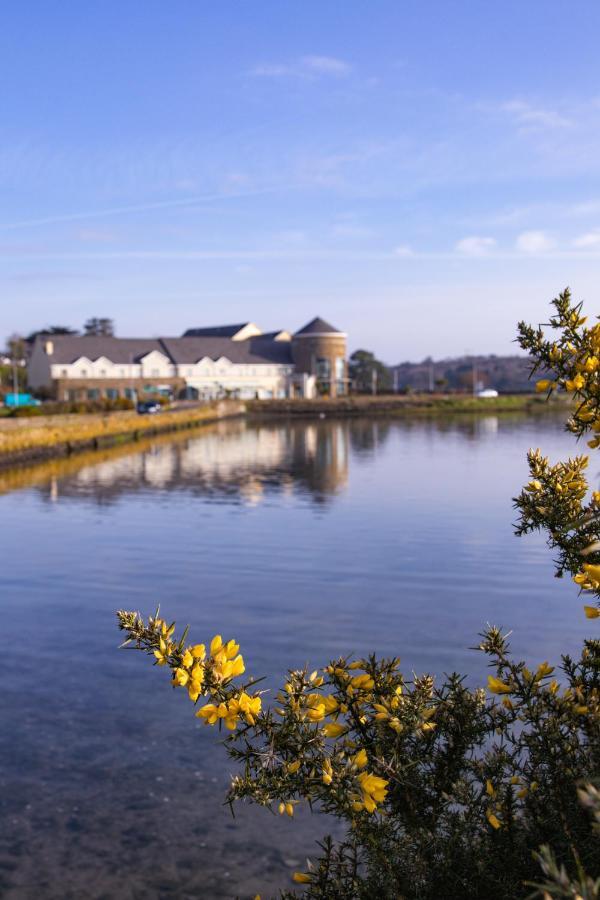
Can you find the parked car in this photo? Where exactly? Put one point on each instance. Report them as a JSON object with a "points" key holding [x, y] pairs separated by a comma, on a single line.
{"points": [[149, 407], [14, 400], [488, 393]]}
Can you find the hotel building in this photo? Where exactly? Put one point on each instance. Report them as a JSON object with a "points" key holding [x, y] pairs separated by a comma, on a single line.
{"points": [[204, 364]]}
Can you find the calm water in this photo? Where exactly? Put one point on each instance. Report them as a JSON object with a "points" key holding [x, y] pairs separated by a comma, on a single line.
{"points": [[303, 541]]}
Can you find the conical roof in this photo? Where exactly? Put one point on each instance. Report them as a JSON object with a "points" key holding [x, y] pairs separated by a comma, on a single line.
{"points": [[318, 326]]}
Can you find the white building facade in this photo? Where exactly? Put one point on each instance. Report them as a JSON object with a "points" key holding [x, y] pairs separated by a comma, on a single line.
{"points": [[205, 364]]}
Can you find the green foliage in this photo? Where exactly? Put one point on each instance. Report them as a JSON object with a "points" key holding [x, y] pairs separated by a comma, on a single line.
{"points": [[50, 330], [7, 374], [99, 326], [366, 372]]}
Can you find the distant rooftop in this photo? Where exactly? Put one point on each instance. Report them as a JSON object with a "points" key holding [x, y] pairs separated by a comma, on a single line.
{"points": [[240, 332], [318, 326]]}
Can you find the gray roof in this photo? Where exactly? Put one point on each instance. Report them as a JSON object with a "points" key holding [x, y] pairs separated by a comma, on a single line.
{"points": [[254, 350], [227, 331], [318, 326], [69, 347], [258, 350]]}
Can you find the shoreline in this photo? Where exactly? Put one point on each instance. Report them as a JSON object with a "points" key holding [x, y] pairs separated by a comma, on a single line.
{"points": [[405, 405], [43, 438]]}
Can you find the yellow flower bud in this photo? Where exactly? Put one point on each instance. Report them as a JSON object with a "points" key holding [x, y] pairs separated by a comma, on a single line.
{"points": [[493, 820], [333, 730], [496, 686]]}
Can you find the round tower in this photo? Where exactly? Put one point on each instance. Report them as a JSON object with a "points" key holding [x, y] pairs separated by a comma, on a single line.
{"points": [[319, 350]]}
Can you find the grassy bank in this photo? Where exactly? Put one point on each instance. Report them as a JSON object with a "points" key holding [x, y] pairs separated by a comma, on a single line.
{"points": [[39, 438], [410, 404]]}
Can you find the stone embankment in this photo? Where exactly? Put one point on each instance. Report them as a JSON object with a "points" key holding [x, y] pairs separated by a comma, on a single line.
{"points": [[42, 437]]}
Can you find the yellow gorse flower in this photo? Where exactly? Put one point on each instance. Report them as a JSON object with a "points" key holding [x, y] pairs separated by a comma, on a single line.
{"points": [[589, 578], [493, 819], [360, 760], [373, 790], [496, 686], [333, 730], [575, 384], [163, 652]]}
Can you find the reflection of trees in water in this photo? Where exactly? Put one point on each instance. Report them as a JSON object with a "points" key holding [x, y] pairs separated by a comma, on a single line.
{"points": [[366, 435], [238, 460]]}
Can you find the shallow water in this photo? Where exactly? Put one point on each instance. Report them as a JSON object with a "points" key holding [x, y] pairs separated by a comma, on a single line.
{"points": [[303, 541]]}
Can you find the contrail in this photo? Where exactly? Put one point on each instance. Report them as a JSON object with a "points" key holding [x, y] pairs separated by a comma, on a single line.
{"points": [[142, 207]]}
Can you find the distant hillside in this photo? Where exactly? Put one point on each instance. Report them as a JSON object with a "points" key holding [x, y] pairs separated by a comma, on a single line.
{"points": [[508, 374]]}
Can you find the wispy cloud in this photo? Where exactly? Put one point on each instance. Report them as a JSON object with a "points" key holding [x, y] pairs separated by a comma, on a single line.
{"points": [[475, 245], [305, 67], [588, 241], [585, 208], [326, 65], [535, 242], [351, 230], [95, 236], [528, 116], [294, 252]]}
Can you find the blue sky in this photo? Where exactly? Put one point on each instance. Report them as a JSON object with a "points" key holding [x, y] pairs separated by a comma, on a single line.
{"points": [[422, 174]]}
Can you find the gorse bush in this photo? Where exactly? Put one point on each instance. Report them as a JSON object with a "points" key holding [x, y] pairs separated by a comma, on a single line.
{"points": [[445, 791]]}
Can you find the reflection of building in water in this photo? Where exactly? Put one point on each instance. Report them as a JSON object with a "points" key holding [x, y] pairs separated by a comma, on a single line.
{"points": [[241, 460], [322, 451], [487, 425]]}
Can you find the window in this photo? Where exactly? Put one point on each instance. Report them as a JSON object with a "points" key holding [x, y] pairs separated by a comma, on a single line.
{"points": [[102, 373], [130, 393], [155, 373], [64, 373], [323, 368], [93, 394], [83, 373], [112, 393], [339, 368]]}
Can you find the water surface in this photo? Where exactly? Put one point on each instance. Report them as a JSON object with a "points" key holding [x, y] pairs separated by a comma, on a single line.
{"points": [[303, 541]]}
